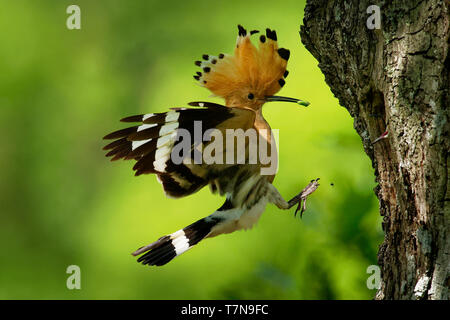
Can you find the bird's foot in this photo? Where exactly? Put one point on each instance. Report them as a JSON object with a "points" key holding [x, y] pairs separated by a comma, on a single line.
{"points": [[302, 196]]}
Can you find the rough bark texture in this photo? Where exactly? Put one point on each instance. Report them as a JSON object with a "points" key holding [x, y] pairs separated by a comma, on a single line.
{"points": [[396, 78]]}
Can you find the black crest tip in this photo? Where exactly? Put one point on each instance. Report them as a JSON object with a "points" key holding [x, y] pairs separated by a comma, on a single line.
{"points": [[242, 31], [284, 53], [271, 34]]}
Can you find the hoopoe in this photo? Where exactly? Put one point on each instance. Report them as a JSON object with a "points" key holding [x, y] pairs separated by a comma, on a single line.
{"points": [[246, 80]]}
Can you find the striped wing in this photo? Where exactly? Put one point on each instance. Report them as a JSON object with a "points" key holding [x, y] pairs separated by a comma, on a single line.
{"points": [[151, 142]]}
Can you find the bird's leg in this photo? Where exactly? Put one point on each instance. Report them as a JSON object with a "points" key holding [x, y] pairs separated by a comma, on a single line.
{"points": [[299, 199]]}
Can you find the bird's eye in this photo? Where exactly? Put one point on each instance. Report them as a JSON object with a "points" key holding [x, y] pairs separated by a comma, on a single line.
{"points": [[251, 96]]}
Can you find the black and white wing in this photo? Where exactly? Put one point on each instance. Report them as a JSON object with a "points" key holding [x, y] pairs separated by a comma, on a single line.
{"points": [[151, 142]]}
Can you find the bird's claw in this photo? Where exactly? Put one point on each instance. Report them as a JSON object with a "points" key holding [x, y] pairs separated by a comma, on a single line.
{"points": [[300, 206], [310, 188]]}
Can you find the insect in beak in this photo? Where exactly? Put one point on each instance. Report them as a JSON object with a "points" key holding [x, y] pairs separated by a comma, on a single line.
{"points": [[286, 99]]}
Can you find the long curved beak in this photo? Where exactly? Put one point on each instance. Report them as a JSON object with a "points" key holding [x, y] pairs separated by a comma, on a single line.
{"points": [[286, 99]]}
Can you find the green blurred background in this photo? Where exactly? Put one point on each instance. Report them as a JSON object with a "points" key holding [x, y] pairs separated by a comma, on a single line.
{"points": [[63, 203]]}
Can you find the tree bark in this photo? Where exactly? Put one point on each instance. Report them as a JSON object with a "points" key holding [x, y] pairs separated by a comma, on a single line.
{"points": [[396, 78]]}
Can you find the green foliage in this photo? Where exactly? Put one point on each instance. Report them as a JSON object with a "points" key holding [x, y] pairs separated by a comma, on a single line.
{"points": [[63, 203]]}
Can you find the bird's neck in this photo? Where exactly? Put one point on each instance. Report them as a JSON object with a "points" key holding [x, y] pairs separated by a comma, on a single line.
{"points": [[260, 122]]}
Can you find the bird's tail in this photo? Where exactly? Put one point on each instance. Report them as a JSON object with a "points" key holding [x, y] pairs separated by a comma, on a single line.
{"points": [[170, 246]]}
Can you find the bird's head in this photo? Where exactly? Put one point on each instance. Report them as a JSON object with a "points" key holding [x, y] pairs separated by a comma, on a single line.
{"points": [[250, 77]]}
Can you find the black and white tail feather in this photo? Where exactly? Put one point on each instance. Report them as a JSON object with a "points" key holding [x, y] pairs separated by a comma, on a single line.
{"points": [[228, 218], [168, 247]]}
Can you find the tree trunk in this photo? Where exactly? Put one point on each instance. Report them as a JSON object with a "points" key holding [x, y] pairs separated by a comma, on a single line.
{"points": [[396, 79]]}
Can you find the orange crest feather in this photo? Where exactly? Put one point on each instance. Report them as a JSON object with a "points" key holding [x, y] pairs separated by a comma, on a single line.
{"points": [[259, 71]]}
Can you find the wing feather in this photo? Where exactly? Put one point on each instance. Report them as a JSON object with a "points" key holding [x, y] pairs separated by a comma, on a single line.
{"points": [[151, 142]]}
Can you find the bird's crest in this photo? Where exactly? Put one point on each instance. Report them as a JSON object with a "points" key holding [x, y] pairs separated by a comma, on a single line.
{"points": [[248, 76]]}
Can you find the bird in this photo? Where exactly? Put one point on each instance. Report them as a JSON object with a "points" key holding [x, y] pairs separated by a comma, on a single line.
{"points": [[246, 80]]}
